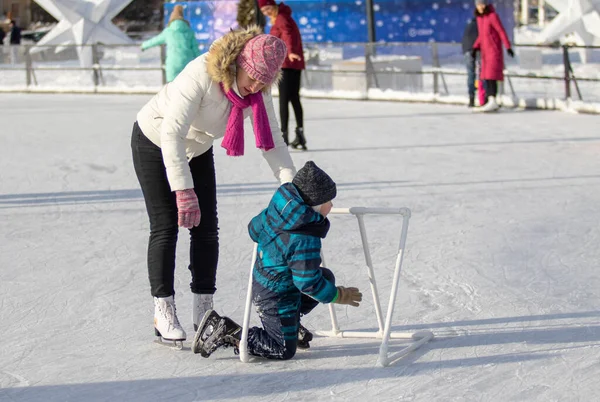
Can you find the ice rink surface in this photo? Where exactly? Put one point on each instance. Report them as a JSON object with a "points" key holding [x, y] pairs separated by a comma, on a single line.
{"points": [[501, 261]]}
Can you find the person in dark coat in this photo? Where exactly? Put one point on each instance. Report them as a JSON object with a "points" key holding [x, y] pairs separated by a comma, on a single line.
{"points": [[284, 27], [15, 33], [468, 40], [489, 42], [14, 41], [287, 279]]}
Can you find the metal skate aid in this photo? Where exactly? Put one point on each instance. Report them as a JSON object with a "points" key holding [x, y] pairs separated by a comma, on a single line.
{"points": [[384, 332]]}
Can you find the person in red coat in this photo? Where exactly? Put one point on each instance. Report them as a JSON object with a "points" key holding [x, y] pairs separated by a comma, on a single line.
{"points": [[489, 42], [285, 28]]}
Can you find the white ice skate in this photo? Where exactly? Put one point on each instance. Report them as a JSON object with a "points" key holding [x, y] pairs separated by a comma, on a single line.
{"points": [[166, 324], [490, 106], [202, 303]]}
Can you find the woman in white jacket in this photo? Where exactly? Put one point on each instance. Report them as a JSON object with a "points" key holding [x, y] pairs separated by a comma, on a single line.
{"points": [[172, 144]]}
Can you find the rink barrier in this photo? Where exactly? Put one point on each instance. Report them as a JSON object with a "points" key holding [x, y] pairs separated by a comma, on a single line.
{"points": [[569, 105], [360, 71], [384, 332]]}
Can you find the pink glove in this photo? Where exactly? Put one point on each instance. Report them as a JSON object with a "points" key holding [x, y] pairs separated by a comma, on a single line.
{"points": [[188, 210]]}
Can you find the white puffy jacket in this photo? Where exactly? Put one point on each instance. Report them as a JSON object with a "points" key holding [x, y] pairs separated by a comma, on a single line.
{"points": [[190, 112]]}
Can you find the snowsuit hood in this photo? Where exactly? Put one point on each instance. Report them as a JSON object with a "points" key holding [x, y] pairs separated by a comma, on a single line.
{"points": [[287, 213], [179, 25], [223, 53]]}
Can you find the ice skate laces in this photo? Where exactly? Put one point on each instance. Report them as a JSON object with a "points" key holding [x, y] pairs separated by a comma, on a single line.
{"points": [[221, 339], [169, 312]]}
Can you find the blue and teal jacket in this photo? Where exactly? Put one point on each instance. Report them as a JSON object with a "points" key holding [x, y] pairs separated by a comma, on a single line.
{"points": [[289, 234], [182, 46]]}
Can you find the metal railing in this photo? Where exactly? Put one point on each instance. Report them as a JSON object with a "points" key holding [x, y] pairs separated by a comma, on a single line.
{"points": [[560, 72], [28, 62], [551, 72]]}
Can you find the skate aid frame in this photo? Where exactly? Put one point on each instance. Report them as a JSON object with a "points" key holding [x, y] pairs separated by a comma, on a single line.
{"points": [[384, 332]]}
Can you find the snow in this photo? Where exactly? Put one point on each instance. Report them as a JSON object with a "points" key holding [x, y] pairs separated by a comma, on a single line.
{"points": [[501, 259]]}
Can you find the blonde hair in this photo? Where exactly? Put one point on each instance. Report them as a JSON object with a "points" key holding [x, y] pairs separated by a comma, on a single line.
{"points": [[176, 14]]}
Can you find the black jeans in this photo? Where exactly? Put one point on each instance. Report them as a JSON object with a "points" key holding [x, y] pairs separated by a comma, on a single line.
{"points": [[491, 88], [289, 91], [162, 211]]}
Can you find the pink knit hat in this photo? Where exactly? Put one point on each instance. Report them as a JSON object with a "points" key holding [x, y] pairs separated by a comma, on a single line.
{"points": [[262, 57]]}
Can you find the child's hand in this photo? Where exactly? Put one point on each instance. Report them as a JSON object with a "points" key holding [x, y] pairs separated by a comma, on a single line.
{"points": [[350, 296]]}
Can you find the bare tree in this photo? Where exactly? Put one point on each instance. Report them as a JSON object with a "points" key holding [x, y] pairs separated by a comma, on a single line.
{"points": [[248, 14]]}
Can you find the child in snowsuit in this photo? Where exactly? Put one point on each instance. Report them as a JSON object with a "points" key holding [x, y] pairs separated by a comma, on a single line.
{"points": [[288, 280]]}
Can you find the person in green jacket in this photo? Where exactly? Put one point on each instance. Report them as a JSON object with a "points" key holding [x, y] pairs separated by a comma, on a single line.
{"points": [[181, 43]]}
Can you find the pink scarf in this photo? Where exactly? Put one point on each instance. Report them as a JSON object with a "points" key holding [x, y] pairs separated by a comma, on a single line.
{"points": [[234, 134]]}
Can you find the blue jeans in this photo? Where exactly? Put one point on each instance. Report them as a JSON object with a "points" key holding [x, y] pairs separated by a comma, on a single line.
{"points": [[470, 63]]}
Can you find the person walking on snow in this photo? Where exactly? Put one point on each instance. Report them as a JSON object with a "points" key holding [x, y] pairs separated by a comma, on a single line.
{"points": [[172, 145], [489, 42], [287, 280], [284, 27], [180, 39]]}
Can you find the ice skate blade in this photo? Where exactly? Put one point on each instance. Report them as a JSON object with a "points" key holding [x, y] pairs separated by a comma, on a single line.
{"points": [[198, 342], [173, 344]]}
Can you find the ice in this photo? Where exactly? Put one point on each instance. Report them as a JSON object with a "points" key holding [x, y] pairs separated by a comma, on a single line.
{"points": [[501, 261]]}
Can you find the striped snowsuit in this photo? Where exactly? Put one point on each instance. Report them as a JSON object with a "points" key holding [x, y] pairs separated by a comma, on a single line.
{"points": [[287, 278]]}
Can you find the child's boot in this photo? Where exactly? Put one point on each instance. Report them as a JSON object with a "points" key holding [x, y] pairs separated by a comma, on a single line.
{"points": [[215, 332], [304, 337]]}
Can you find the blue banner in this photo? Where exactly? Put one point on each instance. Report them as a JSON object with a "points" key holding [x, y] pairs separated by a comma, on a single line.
{"points": [[346, 20]]}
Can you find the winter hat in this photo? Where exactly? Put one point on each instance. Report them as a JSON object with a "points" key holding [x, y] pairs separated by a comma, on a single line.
{"points": [[314, 185], [482, 2], [262, 3], [262, 57]]}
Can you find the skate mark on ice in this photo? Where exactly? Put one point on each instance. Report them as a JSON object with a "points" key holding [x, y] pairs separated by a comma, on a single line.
{"points": [[22, 381]]}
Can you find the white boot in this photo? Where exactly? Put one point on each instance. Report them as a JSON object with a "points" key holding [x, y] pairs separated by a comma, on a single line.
{"points": [[202, 303], [490, 106], [166, 324]]}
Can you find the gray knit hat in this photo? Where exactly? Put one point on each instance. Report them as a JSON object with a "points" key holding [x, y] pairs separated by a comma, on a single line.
{"points": [[314, 185], [482, 2]]}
